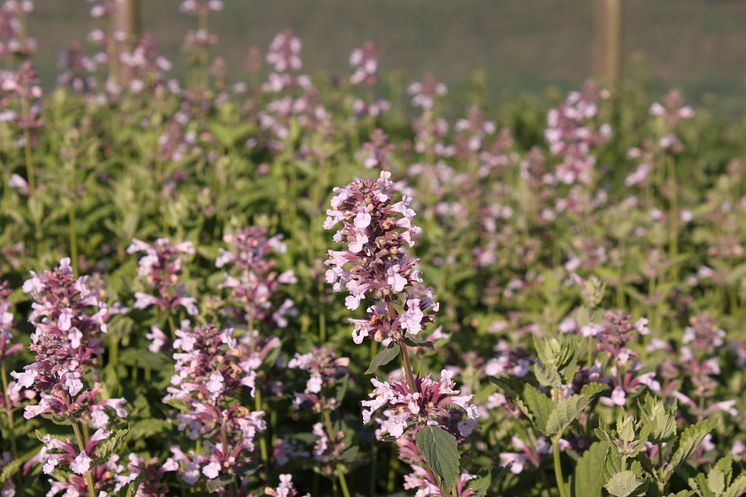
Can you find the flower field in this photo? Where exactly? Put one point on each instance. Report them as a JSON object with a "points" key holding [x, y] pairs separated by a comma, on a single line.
{"points": [[278, 284]]}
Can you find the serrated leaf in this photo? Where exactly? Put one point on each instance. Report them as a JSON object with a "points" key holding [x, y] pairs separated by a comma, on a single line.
{"points": [[737, 489], [547, 375], [564, 413], [593, 389], [440, 451], [623, 484], [539, 406], [688, 442], [588, 480], [512, 389], [108, 447], [699, 484], [716, 480], [383, 357], [481, 485]]}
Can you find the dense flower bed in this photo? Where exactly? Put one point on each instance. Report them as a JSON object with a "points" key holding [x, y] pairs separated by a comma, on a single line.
{"points": [[289, 286]]}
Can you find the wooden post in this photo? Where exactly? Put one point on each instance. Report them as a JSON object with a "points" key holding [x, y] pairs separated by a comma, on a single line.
{"points": [[124, 36], [607, 50]]}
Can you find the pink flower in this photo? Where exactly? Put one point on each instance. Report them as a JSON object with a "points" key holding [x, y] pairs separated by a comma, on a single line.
{"points": [[378, 231], [253, 282]]}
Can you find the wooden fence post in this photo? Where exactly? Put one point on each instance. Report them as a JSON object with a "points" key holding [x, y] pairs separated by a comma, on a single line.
{"points": [[125, 34], [607, 53]]}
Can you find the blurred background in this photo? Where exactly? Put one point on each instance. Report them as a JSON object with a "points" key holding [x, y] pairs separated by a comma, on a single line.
{"points": [[510, 45]]}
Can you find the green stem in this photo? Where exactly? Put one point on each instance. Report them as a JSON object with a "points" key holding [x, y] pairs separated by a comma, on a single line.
{"points": [[73, 237], [8, 409], [558, 467], [81, 447], [673, 216], [339, 469], [408, 368], [374, 471], [171, 327], [258, 405]]}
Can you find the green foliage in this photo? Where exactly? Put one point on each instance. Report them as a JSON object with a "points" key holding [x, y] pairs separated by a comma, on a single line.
{"points": [[438, 447], [588, 476], [383, 357]]}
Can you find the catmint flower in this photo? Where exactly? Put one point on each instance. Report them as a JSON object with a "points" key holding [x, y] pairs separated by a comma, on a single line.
{"points": [[426, 483], [210, 376], [252, 279], [147, 63], [77, 69], [326, 370], [69, 318], [509, 361], [284, 52], [285, 488], [377, 152], [7, 345], [471, 132], [426, 92], [376, 264], [529, 454], [151, 474], [703, 335], [670, 112], [161, 268], [572, 134], [365, 62], [435, 401]]}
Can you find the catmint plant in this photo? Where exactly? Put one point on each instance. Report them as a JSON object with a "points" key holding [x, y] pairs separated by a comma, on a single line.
{"points": [[69, 319]]}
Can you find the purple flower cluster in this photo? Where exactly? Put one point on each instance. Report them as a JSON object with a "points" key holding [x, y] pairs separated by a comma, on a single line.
{"points": [[572, 133], [376, 266], [161, 268], [377, 152], [434, 402], [326, 369], [13, 40], [68, 318], [364, 61], [7, 345], [252, 279], [211, 373], [376, 263]]}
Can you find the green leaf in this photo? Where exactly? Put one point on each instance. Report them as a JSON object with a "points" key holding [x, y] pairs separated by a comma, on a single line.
{"points": [[384, 357], [481, 485], [219, 482], [547, 375], [109, 446], [716, 480], [699, 483], [688, 443], [624, 484], [565, 413], [593, 389], [439, 449], [659, 424], [589, 471], [738, 488], [144, 428], [539, 406]]}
